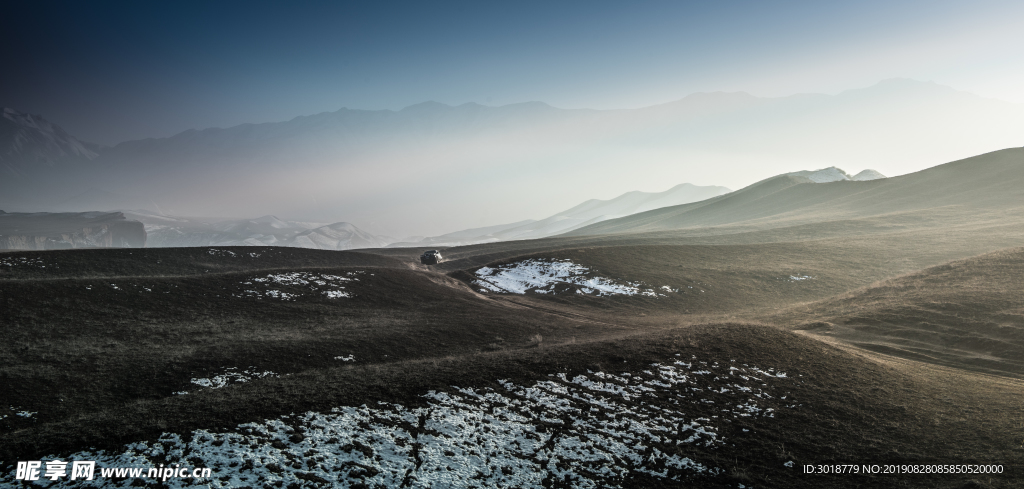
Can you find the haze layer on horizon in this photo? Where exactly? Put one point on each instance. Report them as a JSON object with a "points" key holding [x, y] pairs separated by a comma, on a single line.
{"points": [[109, 72], [392, 164]]}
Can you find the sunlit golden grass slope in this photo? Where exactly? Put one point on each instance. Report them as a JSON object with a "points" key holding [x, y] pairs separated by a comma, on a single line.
{"points": [[967, 313]]}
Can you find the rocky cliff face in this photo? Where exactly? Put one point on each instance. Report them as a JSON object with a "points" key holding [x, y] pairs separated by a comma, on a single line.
{"points": [[48, 231]]}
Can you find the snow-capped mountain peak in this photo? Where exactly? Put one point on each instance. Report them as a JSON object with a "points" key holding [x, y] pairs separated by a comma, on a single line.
{"points": [[833, 174], [868, 175]]}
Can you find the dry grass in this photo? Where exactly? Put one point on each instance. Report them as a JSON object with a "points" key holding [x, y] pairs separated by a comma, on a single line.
{"points": [[854, 409], [100, 365], [968, 313]]}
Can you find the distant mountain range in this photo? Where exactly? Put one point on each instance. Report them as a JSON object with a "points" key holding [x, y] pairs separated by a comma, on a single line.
{"points": [[432, 167], [589, 212], [833, 174], [167, 231], [682, 206], [30, 144], [984, 188], [987, 188]]}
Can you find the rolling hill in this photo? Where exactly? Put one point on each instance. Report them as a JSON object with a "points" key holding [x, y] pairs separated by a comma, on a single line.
{"points": [[968, 313], [591, 211], [960, 190]]}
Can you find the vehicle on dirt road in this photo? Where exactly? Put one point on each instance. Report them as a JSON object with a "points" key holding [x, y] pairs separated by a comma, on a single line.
{"points": [[432, 257]]}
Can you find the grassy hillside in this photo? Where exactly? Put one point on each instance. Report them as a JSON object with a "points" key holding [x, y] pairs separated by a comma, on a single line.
{"points": [[832, 406], [173, 262], [76, 345], [968, 313], [101, 356], [986, 182]]}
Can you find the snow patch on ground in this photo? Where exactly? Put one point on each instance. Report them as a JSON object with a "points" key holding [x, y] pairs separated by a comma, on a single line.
{"points": [[548, 276], [13, 261], [230, 376], [218, 252], [298, 284], [590, 431], [133, 287], [24, 413]]}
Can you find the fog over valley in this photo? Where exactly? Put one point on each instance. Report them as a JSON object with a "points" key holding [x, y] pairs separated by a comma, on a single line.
{"points": [[432, 169]]}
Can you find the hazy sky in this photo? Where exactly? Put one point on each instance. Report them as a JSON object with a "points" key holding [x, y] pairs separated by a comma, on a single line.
{"points": [[114, 71]]}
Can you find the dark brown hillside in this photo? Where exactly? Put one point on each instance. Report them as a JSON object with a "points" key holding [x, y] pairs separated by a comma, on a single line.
{"points": [[83, 345], [838, 407], [174, 262], [97, 343]]}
